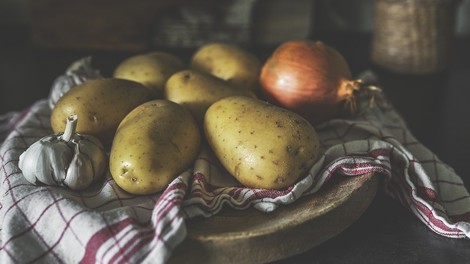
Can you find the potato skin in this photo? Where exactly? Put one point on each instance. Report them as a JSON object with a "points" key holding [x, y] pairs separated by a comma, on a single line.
{"points": [[261, 145], [197, 91], [100, 104], [228, 62], [151, 69], [154, 143]]}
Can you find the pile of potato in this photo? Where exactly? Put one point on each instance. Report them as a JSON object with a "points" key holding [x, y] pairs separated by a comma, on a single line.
{"points": [[155, 113]]}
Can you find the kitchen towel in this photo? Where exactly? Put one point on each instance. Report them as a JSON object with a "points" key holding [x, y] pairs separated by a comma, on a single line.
{"points": [[104, 224]]}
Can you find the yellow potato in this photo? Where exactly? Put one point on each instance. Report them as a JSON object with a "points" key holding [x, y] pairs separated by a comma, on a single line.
{"points": [[228, 62], [197, 91], [261, 145], [154, 143], [151, 69], [100, 104]]}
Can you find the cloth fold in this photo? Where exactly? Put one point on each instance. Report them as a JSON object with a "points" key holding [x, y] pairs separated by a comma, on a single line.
{"points": [[104, 224]]}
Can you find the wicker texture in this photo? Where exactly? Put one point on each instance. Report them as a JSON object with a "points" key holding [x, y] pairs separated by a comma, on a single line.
{"points": [[413, 36]]}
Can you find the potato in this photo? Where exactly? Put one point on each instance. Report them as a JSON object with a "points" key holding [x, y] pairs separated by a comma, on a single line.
{"points": [[197, 91], [228, 62], [100, 104], [151, 69], [261, 145], [154, 143]]}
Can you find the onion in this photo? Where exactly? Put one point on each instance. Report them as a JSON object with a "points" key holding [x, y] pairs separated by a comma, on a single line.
{"points": [[309, 78]]}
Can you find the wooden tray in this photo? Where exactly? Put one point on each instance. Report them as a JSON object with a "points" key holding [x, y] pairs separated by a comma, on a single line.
{"points": [[250, 236]]}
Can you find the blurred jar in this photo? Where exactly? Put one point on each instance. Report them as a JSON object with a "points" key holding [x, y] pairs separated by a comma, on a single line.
{"points": [[413, 36]]}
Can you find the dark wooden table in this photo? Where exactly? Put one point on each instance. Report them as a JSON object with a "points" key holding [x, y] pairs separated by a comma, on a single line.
{"points": [[436, 108]]}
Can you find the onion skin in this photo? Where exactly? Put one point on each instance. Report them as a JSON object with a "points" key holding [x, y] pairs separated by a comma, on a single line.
{"points": [[309, 78]]}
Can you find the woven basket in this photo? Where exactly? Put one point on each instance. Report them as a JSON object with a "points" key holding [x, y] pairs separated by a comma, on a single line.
{"points": [[413, 36]]}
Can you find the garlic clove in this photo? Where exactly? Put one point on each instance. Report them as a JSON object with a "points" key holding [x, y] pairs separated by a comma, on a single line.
{"points": [[28, 165], [94, 150], [80, 172], [60, 157]]}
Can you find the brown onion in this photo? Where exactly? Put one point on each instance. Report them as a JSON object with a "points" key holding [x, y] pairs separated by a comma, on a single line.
{"points": [[309, 78]]}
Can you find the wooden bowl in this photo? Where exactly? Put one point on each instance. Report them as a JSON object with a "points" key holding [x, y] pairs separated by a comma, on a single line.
{"points": [[250, 236]]}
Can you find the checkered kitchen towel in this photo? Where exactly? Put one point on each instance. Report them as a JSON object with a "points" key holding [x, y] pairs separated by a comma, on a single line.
{"points": [[104, 224]]}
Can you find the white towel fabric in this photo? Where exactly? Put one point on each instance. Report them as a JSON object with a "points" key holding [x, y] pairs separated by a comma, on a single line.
{"points": [[104, 224]]}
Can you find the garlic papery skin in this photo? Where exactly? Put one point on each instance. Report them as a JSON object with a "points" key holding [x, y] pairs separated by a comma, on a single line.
{"points": [[66, 159], [77, 73]]}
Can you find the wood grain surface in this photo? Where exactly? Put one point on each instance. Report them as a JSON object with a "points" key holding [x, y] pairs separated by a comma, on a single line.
{"points": [[250, 236]]}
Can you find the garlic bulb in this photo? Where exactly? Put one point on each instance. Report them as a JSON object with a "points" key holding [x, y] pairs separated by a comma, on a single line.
{"points": [[77, 73], [66, 159]]}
